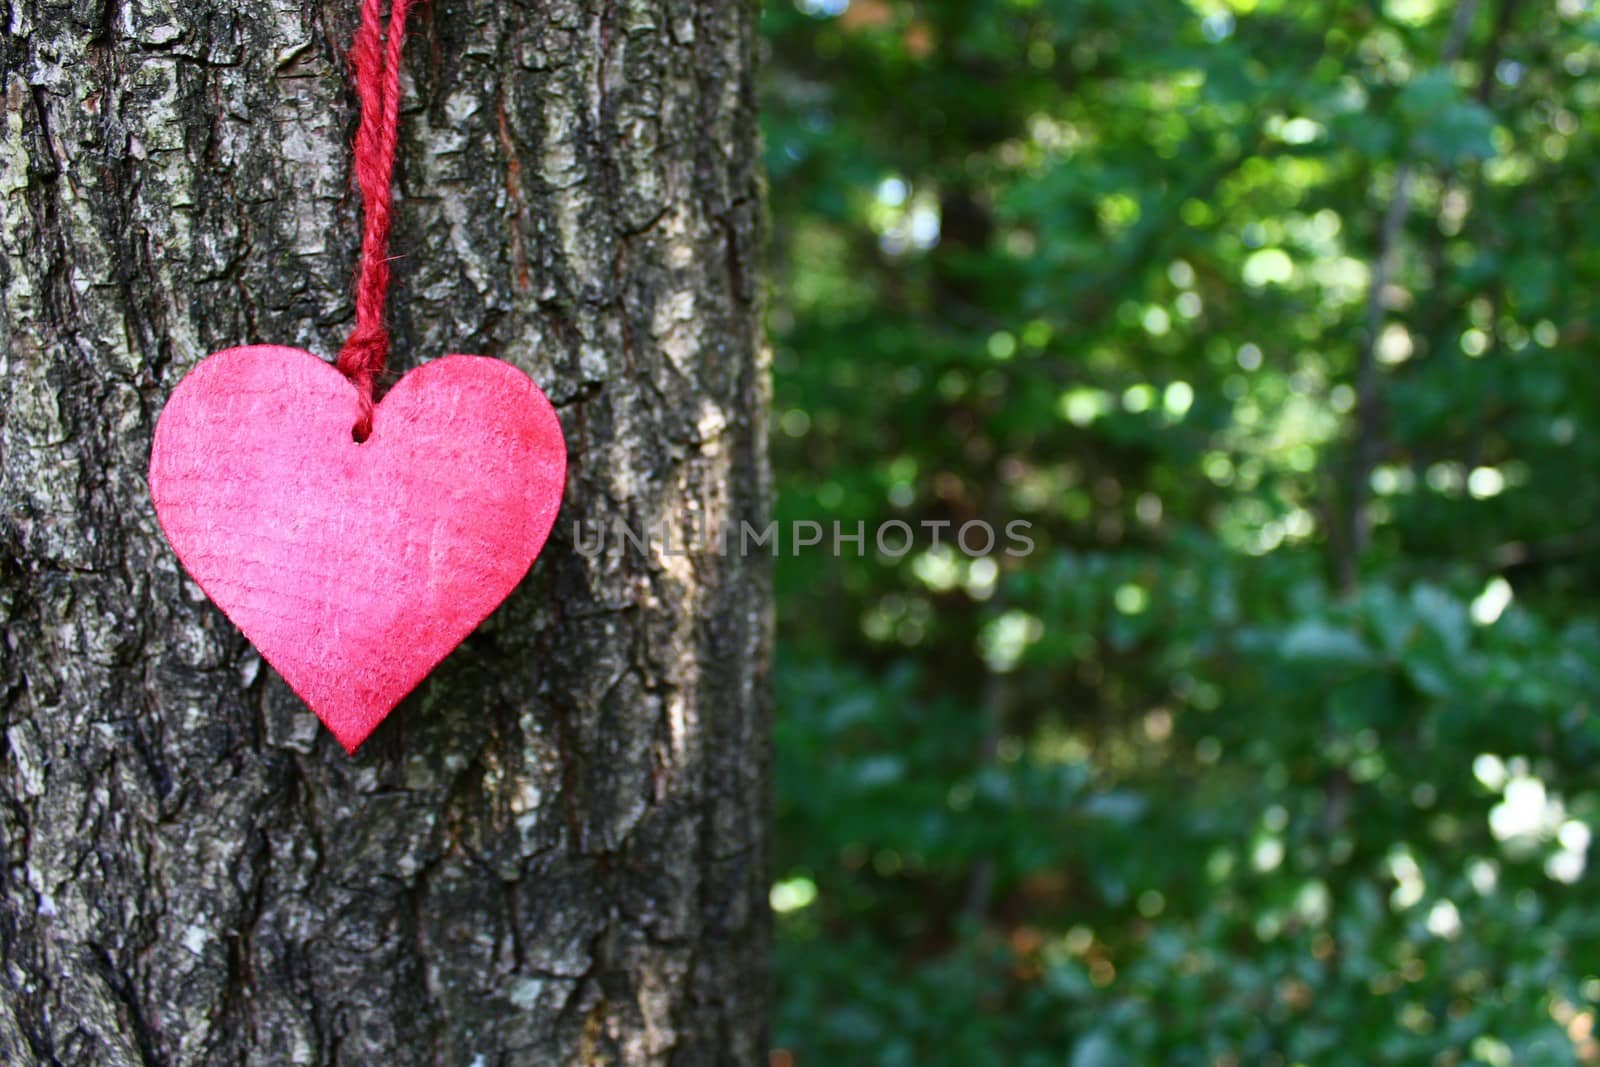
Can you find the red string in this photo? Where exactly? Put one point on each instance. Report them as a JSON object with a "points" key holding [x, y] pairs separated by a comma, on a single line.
{"points": [[377, 77]]}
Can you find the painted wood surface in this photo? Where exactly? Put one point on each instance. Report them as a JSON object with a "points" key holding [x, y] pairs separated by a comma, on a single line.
{"points": [[355, 567]]}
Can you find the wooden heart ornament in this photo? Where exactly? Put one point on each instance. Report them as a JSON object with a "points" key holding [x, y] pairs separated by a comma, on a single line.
{"points": [[355, 566]]}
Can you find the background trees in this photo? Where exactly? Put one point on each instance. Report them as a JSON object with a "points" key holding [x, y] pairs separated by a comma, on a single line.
{"points": [[1277, 320]]}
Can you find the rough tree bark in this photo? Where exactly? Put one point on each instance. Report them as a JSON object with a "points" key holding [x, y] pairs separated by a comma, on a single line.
{"points": [[554, 851]]}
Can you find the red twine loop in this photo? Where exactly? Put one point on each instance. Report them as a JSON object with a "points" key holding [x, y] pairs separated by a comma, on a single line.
{"points": [[376, 67]]}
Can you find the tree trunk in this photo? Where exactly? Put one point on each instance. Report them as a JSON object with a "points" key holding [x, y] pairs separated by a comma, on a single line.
{"points": [[553, 852]]}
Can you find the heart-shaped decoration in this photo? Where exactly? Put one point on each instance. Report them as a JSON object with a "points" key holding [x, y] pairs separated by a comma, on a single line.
{"points": [[355, 567]]}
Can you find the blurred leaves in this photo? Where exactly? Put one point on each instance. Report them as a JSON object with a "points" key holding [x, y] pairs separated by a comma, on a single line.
{"points": [[1446, 127], [1168, 788]]}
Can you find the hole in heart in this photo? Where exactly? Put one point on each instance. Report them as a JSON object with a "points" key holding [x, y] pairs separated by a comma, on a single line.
{"points": [[361, 431]]}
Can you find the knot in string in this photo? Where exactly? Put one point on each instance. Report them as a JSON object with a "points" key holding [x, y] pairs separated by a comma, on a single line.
{"points": [[375, 62]]}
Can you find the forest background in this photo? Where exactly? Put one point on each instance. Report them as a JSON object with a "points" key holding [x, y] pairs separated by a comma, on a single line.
{"points": [[1277, 320]]}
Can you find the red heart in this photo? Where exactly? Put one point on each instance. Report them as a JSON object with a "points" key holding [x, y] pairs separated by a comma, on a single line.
{"points": [[355, 567]]}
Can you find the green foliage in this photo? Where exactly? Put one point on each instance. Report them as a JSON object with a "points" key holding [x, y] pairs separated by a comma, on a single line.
{"points": [[1278, 747]]}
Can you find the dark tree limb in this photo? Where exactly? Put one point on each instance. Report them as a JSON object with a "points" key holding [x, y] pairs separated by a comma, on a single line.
{"points": [[555, 851]]}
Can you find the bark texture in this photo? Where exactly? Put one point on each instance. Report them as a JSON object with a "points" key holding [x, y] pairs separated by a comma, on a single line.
{"points": [[554, 851]]}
